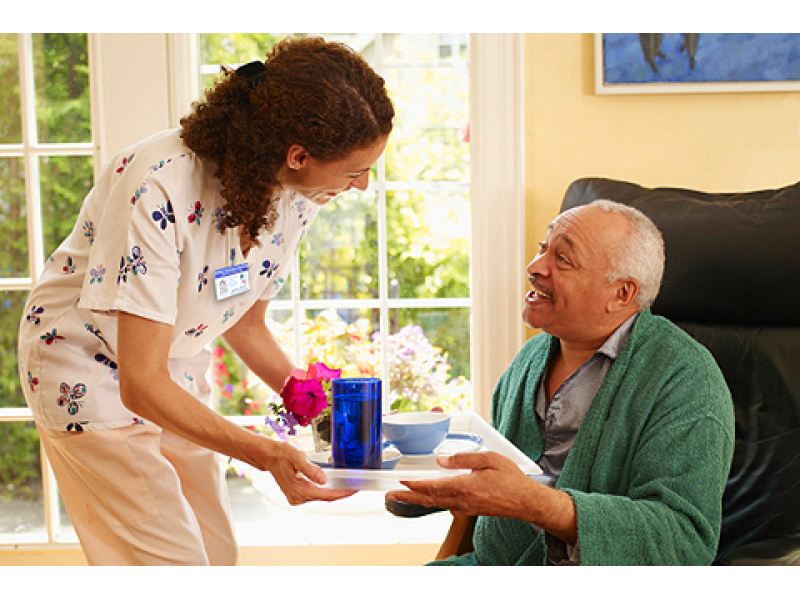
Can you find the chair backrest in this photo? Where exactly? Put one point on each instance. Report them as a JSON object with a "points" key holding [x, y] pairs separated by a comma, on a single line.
{"points": [[732, 281]]}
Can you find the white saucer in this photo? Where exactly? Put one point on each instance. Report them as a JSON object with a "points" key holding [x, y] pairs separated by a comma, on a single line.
{"points": [[391, 457], [452, 444], [459, 442]]}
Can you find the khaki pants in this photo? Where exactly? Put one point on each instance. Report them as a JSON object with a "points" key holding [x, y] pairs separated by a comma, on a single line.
{"points": [[138, 495]]}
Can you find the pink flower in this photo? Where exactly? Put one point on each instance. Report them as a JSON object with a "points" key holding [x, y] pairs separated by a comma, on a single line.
{"points": [[304, 399], [319, 371], [304, 395], [323, 372], [297, 374]]}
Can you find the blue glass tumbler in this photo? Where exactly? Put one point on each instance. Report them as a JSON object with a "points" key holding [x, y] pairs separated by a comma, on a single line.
{"points": [[357, 436]]}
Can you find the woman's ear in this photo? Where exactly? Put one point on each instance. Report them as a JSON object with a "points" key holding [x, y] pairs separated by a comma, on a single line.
{"points": [[296, 157]]}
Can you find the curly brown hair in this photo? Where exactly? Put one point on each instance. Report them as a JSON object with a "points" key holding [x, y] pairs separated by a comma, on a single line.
{"points": [[318, 94]]}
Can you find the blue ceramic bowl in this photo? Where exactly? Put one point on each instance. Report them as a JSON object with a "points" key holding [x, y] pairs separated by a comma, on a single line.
{"points": [[416, 432]]}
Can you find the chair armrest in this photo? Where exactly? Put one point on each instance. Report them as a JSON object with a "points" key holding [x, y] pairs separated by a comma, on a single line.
{"points": [[458, 540], [778, 552]]}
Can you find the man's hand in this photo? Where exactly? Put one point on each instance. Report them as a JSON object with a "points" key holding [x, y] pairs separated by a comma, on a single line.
{"points": [[491, 489], [496, 487]]}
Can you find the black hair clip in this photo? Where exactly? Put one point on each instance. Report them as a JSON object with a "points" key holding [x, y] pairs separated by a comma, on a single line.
{"points": [[253, 72]]}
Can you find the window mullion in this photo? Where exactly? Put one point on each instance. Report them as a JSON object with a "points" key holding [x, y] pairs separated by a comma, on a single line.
{"points": [[35, 236], [296, 308], [383, 268], [50, 491], [383, 277], [96, 104], [20, 284], [183, 72], [30, 159]]}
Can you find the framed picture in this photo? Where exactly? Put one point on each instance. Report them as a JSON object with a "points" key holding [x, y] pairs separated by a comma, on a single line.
{"points": [[652, 63]]}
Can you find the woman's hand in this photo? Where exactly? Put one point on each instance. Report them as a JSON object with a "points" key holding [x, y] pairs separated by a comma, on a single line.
{"points": [[297, 477]]}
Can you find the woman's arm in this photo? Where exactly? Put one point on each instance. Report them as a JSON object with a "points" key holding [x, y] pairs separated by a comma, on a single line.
{"points": [[253, 342], [147, 389]]}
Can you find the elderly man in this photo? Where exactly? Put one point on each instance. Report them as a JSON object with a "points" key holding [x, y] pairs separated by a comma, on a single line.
{"points": [[629, 418]]}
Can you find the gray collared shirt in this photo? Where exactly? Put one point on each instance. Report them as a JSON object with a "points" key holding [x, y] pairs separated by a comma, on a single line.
{"points": [[560, 420]]}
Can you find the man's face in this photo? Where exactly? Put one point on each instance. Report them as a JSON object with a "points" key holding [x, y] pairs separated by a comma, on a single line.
{"points": [[570, 294]]}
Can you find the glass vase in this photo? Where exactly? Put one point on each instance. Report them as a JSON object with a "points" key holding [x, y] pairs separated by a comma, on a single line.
{"points": [[321, 432]]}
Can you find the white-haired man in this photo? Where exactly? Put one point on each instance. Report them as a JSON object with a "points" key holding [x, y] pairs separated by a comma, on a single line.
{"points": [[629, 418]]}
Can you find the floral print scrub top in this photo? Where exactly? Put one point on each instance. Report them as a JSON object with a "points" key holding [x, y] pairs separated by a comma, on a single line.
{"points": [[147, 242]]}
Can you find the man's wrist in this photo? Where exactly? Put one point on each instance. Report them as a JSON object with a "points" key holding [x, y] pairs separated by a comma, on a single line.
{"points": [[554, 511]]}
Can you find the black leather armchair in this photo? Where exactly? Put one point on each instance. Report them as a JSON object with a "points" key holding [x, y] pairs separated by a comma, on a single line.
{"points": [[732, 281]]}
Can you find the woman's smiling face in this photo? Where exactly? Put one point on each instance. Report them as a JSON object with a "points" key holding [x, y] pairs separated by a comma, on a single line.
{"points": [[320, 181]]}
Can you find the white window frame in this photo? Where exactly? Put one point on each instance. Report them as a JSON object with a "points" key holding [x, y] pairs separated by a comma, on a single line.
{"points": [[497, 155], [30, 149], [161, 67]]}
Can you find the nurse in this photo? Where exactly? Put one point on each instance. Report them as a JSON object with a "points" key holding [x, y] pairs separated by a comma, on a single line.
{"points": [[187, 236]]}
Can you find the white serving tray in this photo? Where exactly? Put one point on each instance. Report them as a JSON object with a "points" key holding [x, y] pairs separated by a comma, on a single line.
{"points": [[415, 468]]}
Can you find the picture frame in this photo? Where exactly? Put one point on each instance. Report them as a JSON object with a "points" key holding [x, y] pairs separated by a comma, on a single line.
{"points": [[650, 63]]}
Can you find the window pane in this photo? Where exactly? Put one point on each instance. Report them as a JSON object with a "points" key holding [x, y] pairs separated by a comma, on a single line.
{"points": [[429, 359], [66, 532], [236, 391], [281, 324], [424, 47], [61, 62], [21, 498], [344, 339], [429, 141], [65, 181], [14, 232], [339, 255], [231, 49], [428, 244], [10, 119], [12, 303]]}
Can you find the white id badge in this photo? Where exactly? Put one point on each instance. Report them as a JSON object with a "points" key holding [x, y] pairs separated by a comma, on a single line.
{"points": [[232, 281]]}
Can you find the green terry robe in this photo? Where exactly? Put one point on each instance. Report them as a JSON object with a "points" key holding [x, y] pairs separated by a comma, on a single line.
{"points": [[648, 466]]}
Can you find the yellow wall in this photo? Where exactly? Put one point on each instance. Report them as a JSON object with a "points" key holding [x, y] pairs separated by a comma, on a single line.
{"points": [[710, 142]]}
